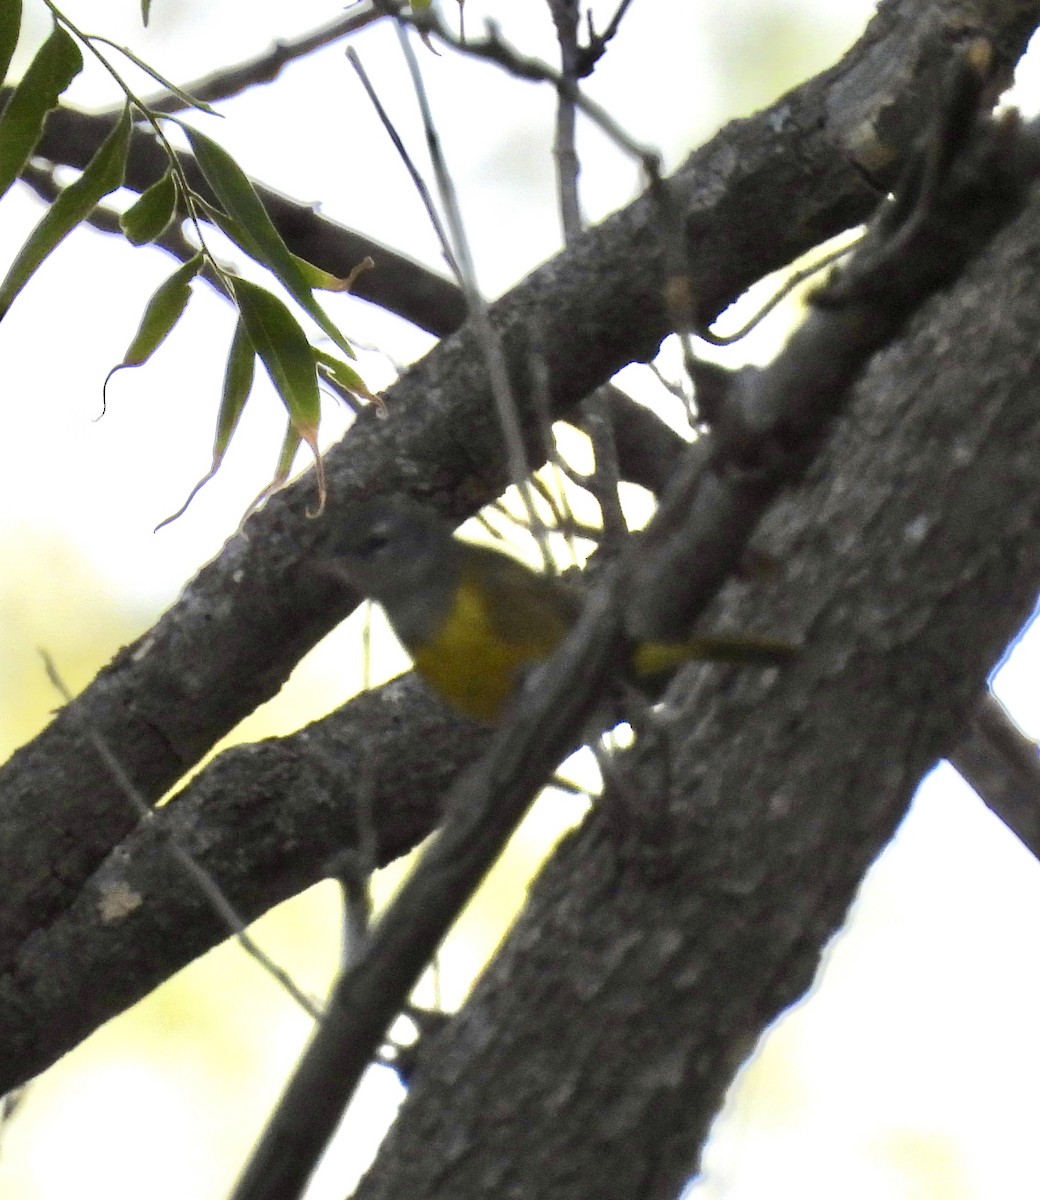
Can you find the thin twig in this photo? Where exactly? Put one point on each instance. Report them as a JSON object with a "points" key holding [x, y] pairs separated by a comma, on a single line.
{"points": [[674, 388], [491, 346], [793, 280], [568, 167], [597, 43], [410, 167], [1001, 763], [201, 878], [539, 383], [603, 482], [106, 220], [493, 48], [266, 67]]}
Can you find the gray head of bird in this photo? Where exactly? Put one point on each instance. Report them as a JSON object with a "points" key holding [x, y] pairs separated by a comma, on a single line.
{"points": [[395, 551]]}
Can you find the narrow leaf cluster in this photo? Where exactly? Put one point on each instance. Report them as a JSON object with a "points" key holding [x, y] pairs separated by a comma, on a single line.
{"points": [[267, 328]]}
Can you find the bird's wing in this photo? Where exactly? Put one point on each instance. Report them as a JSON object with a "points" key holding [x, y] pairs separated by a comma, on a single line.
{"points": [[525, 608]]}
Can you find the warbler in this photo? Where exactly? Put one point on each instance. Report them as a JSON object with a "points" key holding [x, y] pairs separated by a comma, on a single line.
{"points": [[475, 620]]}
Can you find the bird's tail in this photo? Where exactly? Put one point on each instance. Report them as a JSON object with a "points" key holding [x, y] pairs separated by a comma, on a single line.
{"points": [[660, 658]]}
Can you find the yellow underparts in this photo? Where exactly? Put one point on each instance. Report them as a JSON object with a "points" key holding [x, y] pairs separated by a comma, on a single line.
{"points": [[477, 663], [471, 665]]}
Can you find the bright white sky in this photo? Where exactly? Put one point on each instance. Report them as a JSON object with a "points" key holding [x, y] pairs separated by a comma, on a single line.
{"points": [[912, 1071]]}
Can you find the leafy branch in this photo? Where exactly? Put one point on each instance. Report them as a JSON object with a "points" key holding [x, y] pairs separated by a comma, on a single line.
{"points": [[267, 329]]}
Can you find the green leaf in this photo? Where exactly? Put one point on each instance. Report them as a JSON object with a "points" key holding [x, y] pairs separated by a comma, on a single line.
{"points": [[103, 174], [317, 278], [55, 65], [161, 313], [241, 203], [146, 11], [313, 276], [343, 375], [285, 352], [290, 444], [185, 97], [151, 212], [238, 382], [10, 23]]}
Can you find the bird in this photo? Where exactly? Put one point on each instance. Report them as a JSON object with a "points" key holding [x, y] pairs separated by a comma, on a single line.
{"points": [[476, 620]]}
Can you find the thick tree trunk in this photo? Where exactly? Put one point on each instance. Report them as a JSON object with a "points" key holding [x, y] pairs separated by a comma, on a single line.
{"points": [[596, 1049], [693, 904]]}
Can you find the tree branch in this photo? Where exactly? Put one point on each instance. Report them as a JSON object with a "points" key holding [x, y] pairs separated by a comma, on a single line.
{"points": [[266, 67], [1002, 765], [136, 920], [761, 192], [969, 179], [397, 283], [644, 967]]}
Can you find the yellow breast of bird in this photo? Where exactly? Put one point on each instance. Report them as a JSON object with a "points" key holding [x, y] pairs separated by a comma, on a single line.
{"points": [[476, 661]]}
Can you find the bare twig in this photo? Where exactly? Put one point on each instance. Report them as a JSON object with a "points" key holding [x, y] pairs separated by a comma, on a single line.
{"points": [[1003, 766], [266, 67], [603, 483], [596, 411], [794, 280], [597, 43], [200, 878], [410, 167], [565, 18], [493, 48], [491, 346]]}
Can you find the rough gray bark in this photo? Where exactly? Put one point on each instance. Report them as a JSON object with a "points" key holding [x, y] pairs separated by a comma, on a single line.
{"points": [[1002, 765], [760, 192], [597, 1047], [265, 820], [665, 962]]}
